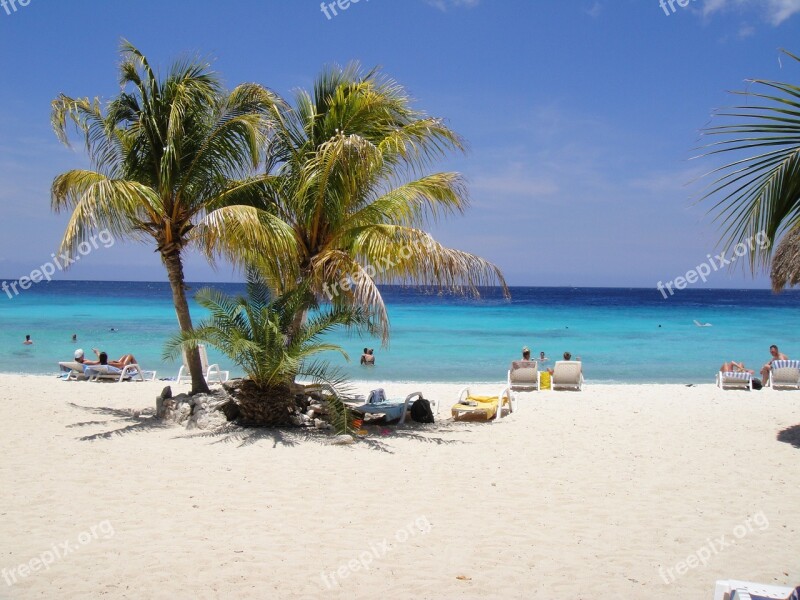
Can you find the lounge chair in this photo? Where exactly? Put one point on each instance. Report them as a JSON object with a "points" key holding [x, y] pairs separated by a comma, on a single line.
{"points": [[393, 410], [523, 376], [107, 372], [482, 407], [785, 374], [567, 374], [745, 590], [73, 369], [212, 373], [734, 380], [78, 371]]}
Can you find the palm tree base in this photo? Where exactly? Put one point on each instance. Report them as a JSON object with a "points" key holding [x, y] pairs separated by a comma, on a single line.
{"points": [[271, 406]]}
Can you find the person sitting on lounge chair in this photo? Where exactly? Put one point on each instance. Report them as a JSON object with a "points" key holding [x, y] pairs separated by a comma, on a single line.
{"points": [[526, 353], [767, 368], [735, 367], [567, 356], [102, 359]]}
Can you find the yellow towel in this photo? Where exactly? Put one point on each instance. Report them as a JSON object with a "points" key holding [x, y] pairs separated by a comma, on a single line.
{"points": [[486, 404], [544, 380]]}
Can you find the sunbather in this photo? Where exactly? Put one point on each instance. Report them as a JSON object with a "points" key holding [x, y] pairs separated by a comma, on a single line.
{"points": [[767, 368], [102, 359], [735, 367]]}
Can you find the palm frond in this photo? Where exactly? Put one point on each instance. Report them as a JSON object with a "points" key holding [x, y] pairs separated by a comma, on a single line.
{"points": [[758, 193]]}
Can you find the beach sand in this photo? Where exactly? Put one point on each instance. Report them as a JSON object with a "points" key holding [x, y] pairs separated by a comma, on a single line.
{"points": [[639, 491]]}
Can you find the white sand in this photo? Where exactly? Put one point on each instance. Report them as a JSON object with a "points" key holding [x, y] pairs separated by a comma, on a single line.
{"points": [[597, 494]]}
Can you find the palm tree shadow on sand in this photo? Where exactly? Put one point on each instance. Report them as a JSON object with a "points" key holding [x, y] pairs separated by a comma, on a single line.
{"points": [[790, 435], [247, 436], [136, 422]]}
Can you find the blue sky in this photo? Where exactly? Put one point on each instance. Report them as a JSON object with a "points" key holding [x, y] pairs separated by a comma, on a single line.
{"points": [[581, 116]]}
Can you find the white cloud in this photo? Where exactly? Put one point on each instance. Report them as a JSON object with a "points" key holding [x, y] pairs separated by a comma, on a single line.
{"points": [[774, 11]]}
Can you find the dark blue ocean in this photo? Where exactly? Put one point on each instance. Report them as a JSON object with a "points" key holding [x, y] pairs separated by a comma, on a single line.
{"points": [[621, 335]]}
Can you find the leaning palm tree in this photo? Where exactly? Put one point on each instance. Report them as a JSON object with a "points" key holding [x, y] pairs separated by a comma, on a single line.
{"points": [[347, 171], [166, 155], [758, 194], [251, 331]]}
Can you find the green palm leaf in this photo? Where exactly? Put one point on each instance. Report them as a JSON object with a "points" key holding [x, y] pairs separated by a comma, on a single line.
{"points": [[758, 193]]}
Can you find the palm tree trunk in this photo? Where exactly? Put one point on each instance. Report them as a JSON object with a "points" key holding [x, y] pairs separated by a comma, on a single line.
{"points": [[172, 261]]}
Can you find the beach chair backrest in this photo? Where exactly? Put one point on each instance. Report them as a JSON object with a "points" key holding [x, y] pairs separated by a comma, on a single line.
{"points": [[786, 364], [736, 375], [524, 372], [567, 371], [786, 372], [203, 358]]}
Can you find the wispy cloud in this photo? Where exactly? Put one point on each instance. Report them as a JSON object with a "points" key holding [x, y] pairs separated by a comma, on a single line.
{"points": [[595, 10], [773, 11], [444, 5]]}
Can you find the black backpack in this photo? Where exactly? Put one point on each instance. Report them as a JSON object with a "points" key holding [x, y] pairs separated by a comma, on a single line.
{"points": [[421, 411]]}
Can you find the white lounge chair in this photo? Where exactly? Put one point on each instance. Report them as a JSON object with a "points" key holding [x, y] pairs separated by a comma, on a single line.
{"points": [[734, 380], [73, 369], [567, 374], [212, 373], [743, 590], [785, 374], [486, 407], [79, 371], [523, 376], [107, 372], [393, 410]]}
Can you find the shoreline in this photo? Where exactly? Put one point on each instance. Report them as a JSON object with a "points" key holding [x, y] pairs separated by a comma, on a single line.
{"points": [[620, 486], [376, 383]]}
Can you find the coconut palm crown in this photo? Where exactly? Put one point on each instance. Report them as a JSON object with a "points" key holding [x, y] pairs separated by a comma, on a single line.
{"points": [[167, 154], [348, 172]]}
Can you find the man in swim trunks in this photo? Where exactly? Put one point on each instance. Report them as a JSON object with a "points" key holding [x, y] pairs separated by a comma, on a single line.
{"points": [[767, 368]]}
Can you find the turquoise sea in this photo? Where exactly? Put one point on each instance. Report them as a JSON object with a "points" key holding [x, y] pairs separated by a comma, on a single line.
{"points": [[622, 335]]}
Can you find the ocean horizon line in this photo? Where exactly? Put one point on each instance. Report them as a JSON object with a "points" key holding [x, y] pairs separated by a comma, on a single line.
{"points": [[431, 287]]}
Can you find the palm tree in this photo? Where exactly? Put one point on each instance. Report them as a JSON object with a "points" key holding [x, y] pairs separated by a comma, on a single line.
{"points": [[758, 195], [346, 171], [166, 155], [251, 332]]}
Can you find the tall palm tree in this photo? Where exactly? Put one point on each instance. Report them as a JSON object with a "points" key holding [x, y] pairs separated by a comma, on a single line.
{"points": [[347, 171], [167, 154], [758, 193]]}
